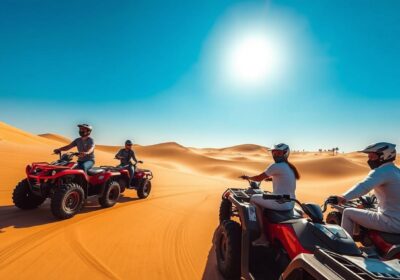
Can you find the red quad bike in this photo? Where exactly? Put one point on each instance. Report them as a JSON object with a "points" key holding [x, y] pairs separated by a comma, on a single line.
{"points": [[141, 182], [387, 245], [67, 187], [301, 245]]}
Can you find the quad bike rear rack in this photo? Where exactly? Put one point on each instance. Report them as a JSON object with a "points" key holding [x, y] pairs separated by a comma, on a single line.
{"points": [[326, 265]]}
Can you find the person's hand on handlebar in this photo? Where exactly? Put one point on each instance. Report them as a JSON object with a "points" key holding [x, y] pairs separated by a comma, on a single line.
{"points": [[244, 177], [57, 151], [339, 199], [139, 161], [82, 154]]}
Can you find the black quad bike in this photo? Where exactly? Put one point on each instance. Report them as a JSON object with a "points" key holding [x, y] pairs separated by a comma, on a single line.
{"points": [[301, 245]]}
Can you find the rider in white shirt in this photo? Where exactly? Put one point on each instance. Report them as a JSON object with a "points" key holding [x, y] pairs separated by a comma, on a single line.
{"points": [[284, 176], [384, 179]]}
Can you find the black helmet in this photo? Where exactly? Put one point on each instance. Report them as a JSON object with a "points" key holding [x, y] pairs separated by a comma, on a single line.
{"points": [[128, 142]]}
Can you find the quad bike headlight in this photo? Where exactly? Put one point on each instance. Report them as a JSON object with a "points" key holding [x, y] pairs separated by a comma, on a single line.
{"points": [[53, 173]]}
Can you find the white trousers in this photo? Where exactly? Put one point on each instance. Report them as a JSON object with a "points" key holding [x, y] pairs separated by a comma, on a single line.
{"points": [[271, 204], [368, 219]]}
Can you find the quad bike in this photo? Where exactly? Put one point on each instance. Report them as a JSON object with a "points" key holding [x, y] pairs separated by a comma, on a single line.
{"points": [[300, 247], [67, 187], [387, 245], [141, 182]]}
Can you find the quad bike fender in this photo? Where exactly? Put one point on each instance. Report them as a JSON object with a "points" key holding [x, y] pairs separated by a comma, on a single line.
{"points": [[101, 178], [393, 253], [104, 180], [57, 175], [285, 234], [74, 175], [387, 250], [143, 174], [250, 229], [307, 264]]}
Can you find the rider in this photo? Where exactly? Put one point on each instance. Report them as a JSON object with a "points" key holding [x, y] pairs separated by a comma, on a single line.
{"points": [[384, 179], [284, 176], [85, 146], [125, 155]]}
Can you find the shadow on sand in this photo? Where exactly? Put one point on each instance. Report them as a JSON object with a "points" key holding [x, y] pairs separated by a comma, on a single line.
{"points": [[11, 216], [211, 271]]}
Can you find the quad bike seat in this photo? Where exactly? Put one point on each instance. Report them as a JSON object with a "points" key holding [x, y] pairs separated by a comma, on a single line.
{"points": [[276, 217], [392, 238], [95, 170]]}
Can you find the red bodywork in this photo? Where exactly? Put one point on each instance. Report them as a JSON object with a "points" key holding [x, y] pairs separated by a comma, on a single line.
{"points": [[61, 171], [286, 236], [380, 243], [382, 246], [142, 173]]}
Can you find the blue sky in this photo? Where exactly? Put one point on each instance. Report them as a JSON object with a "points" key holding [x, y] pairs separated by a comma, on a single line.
{"points": [[154, 71]]}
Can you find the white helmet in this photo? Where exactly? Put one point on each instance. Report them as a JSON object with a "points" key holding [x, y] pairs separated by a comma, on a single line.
{"points": [[87, 126], [282, 147], [385, 151]]}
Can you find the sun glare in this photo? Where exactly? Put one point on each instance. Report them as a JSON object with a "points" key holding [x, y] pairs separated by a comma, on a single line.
{"points": [[253, 60]]}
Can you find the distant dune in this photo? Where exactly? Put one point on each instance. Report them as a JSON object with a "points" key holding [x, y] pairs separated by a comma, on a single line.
{"points": [[56, 137], [170, 232]]}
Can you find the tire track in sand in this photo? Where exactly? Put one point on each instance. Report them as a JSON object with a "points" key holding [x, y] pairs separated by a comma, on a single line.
{"points": [[14, 251], [174, 245], [87, 257]]}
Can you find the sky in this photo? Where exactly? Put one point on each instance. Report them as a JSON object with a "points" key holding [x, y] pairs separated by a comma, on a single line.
{"points": [[204, 73]]}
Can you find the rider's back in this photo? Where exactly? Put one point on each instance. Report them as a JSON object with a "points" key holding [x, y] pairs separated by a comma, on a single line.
{"points": [[283, 178], [388, 193]]}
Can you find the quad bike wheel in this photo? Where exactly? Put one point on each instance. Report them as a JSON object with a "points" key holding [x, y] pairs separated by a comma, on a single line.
{"points": [[228, 248], [334, 218], [110, 195], [144, 188], [24, 199], [67, 200], [225, 210]]}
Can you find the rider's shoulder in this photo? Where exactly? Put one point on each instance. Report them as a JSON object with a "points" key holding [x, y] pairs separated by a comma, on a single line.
{"points": [[277, 165], [383, 169]]}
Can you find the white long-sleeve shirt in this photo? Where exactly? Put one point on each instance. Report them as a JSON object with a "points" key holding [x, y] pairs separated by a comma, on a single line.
{"points": [[385, 181], [283, 179]]}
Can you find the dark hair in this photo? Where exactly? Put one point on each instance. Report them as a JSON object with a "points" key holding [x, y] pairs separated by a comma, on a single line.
{"points": [[294, 169]]}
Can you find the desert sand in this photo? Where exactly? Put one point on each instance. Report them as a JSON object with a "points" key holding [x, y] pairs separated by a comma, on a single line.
{"points": [[167, 236]]}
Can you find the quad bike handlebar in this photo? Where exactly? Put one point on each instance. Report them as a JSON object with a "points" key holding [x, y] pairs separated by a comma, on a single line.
{"points": [[366, 202], [139, 161], [254, 184], [66, 156]]}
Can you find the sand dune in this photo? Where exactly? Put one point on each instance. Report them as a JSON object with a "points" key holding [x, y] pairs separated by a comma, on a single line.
{"points": [[56, 137], [167, 236]]}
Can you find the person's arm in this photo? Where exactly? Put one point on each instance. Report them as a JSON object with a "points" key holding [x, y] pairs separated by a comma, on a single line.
{"points": [[91, 150], [266, 175], [118, 155], [257, 178], [374, 179], [134, 156], [66, 148]]}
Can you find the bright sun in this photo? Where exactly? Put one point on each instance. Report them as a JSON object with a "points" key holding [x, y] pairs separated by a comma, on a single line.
{"points": [[253, 60]]}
